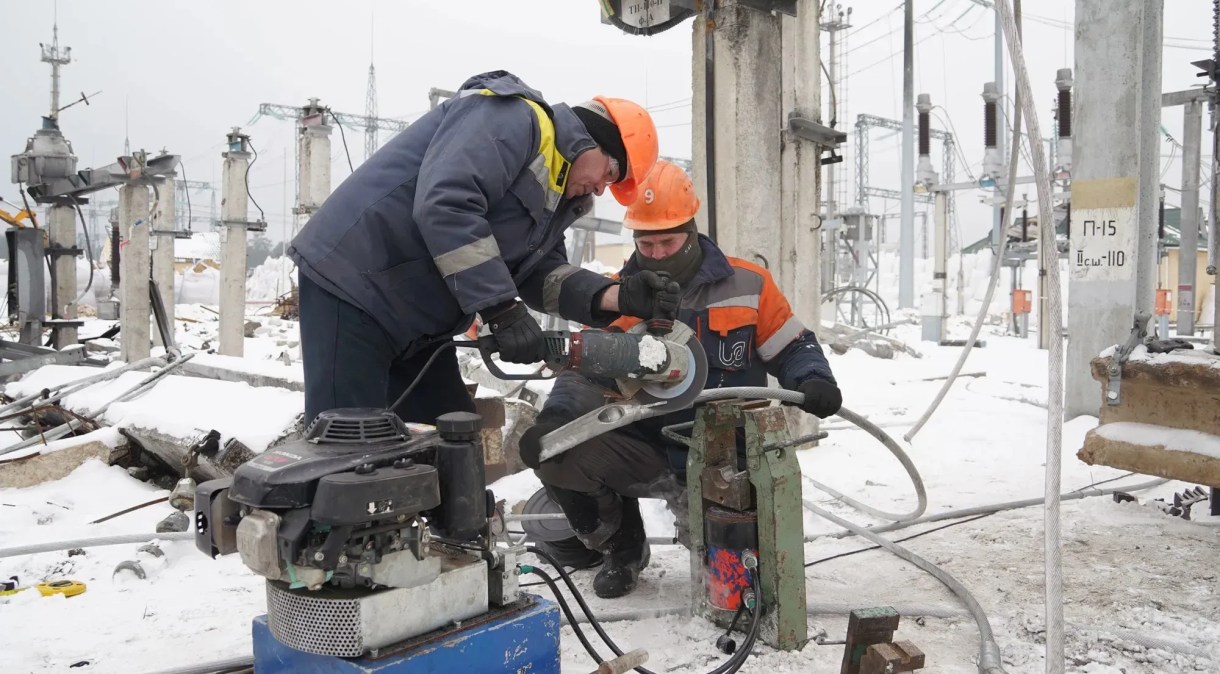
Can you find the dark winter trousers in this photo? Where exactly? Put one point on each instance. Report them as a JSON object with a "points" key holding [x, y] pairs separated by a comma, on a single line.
{"points": [[350, 361], [591, 481]]}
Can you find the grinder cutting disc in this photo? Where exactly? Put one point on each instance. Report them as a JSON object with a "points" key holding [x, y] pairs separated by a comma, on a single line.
{"points": [[679, 395], [548, 530]]}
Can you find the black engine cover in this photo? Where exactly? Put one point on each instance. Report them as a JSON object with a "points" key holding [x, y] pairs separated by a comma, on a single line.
{"points": [[337, 443], [369, 496]]}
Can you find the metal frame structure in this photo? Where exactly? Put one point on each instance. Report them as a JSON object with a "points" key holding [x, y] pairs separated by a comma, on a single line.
{"points": [[300, 113]]}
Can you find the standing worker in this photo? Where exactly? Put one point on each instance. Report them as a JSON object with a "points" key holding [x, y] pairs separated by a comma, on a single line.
{"points": [[748, 330], [459, 215]]}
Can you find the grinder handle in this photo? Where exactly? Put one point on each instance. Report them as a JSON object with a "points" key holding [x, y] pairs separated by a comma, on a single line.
{"points": [[556, 355]]}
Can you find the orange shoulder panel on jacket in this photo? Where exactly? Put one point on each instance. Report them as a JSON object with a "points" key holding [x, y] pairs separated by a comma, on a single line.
{"points": [[773, 308]]}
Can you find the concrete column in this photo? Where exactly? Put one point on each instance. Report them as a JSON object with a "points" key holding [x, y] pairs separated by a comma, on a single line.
{"points": [[164, 223], [1117, 97], [313, 152], [748, 86], [134, 272], [235, 202], [61, 231], [906, 234], [935, 310], [1149, 52], [1188, 255], [801, 166]]}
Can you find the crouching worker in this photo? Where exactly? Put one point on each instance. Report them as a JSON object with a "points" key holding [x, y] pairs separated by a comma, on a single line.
{"points": [[748, 330]]}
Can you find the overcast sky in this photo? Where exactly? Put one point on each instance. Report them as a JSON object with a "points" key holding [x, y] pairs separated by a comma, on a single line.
{"points": [[178, 75]]}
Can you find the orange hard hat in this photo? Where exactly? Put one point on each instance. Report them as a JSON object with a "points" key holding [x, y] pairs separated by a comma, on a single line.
{"points": [[667, 199], [639, 136]]}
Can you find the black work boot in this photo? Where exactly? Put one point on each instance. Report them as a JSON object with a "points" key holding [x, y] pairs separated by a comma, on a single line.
{"points": [[626, 554], [571, 552]]}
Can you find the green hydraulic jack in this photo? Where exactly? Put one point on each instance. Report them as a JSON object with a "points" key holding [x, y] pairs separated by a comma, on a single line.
{"points": [[755, 511]]}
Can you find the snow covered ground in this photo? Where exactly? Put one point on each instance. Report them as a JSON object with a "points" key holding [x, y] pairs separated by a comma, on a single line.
{"points": [[1134, 575]]}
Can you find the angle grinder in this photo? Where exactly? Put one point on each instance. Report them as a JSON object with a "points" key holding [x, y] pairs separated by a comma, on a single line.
{"points": [[667, 370]]}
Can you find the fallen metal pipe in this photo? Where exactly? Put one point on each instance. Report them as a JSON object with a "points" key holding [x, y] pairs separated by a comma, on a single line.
{"points": [[63, 429], [68, 388], [98, 541]]}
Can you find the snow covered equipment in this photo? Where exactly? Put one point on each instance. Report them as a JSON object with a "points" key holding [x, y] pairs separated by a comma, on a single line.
{"points": [[370, 532]]}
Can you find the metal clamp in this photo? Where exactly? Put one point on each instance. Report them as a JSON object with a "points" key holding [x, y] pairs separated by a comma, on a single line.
{"points": [[1114, 371], [250, 225]]}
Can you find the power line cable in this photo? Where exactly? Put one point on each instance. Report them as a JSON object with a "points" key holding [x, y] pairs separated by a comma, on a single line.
{"points": [[261, 216]]}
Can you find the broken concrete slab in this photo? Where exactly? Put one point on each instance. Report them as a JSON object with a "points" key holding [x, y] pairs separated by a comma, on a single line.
{"points": [[174, 414], [1147, 449], [1167, 420], [252, 372], [1178, 390], [36, 468]]}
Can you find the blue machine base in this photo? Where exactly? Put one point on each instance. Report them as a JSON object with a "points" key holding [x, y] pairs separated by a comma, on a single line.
{"points": [[526, 641]]}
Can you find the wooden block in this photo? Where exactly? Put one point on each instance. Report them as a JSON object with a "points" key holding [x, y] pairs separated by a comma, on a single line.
{"points": [[891, 658], [866, 627]]}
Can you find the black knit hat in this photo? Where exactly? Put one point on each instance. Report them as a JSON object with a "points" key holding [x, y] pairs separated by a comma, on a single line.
{"points": [[605, 133]]}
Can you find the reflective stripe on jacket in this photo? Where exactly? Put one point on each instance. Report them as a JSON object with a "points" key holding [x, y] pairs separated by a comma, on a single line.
{"points": [[461, 211], [745, 326]]}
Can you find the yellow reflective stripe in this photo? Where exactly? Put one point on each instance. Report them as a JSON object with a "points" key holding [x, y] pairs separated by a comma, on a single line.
{"points": [[556, 165], [470, 255], [550, 169]]}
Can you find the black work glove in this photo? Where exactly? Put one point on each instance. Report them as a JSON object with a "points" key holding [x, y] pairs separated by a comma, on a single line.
{"points": [[530, 446], [822, 398], [648, 294], [518, 336]]}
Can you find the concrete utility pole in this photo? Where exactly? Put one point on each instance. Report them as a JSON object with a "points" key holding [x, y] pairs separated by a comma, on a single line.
{"points": [[133, 295], [233, 244], [313, 151], [163, 227], [906, 237], [61, 233], [765, 67], [1114, 184], [1188, 242]]}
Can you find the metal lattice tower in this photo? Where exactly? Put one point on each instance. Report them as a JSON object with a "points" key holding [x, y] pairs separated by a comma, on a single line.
{"points": [[370, 103], [298, 114], [370, 112]]}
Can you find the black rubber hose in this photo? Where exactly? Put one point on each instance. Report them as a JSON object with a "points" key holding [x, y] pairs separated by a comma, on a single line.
{"points": [[567, 611], [584, 607], [728, 667], [423, 370]]}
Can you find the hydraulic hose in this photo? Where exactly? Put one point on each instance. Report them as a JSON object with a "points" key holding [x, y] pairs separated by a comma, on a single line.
{"points": [[728, 667], [995, 508], [989, 650], [996, 268], [884, 438]]}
